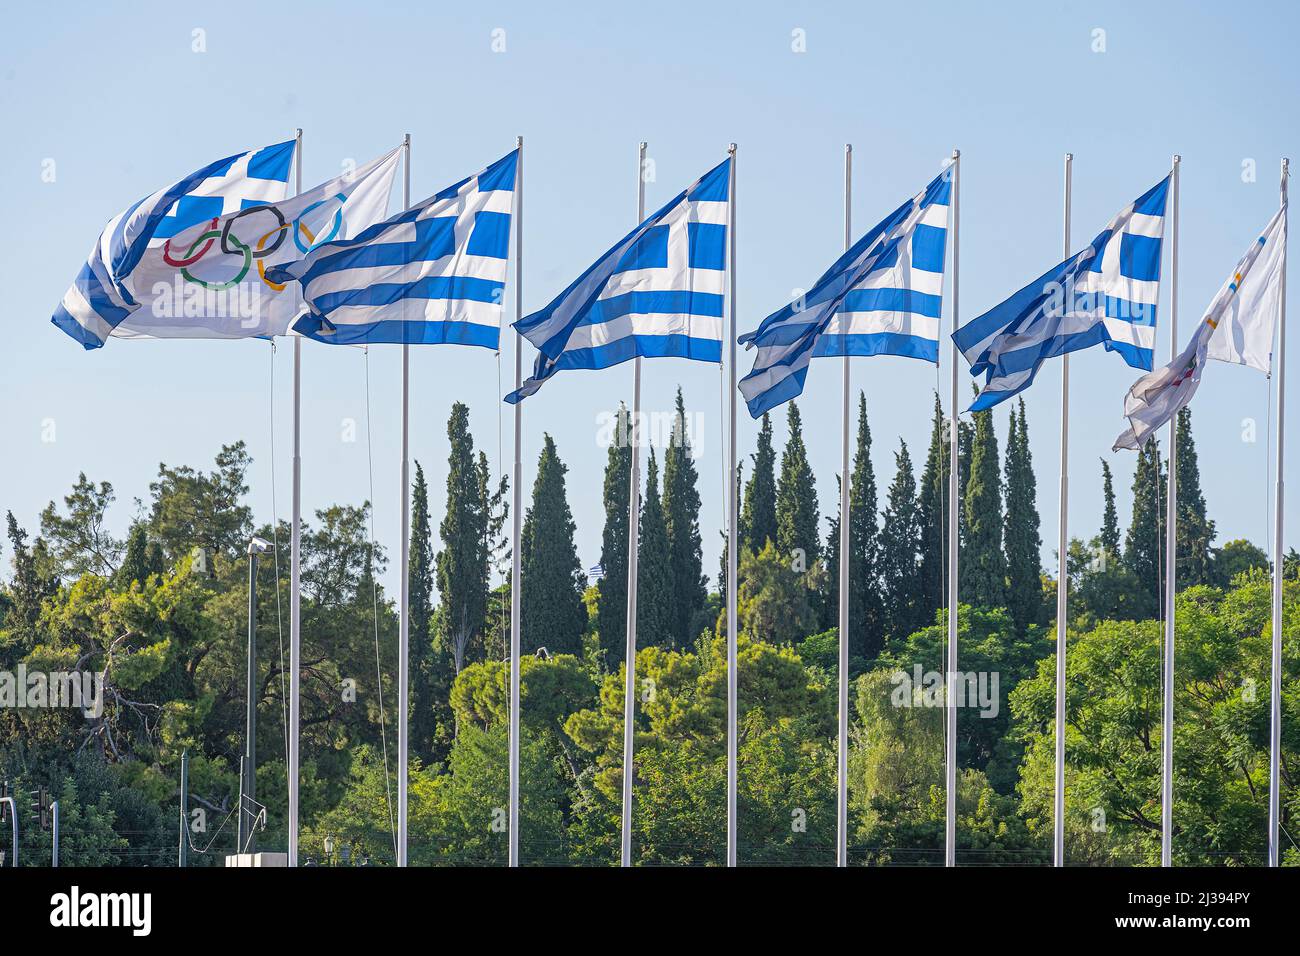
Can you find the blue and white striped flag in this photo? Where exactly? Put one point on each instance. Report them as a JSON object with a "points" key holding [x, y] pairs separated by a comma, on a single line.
{"points": [[882, 297], [1105, 294], [657, 293], [431, 275], [103, 296]]}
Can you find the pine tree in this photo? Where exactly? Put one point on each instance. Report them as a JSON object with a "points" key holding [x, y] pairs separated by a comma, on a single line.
{"points": [[429, 682], [900, 536], [654, 620], [983, 565], [797, 517], [611, 610], [1144, 543], [681, 504], [1109, 538], [1022, 540], [463, 566], [758, 518], [551, 608], [1195, 529], [932, 515]]}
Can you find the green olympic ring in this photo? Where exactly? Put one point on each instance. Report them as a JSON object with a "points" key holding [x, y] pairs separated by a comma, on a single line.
{"points": [[218, 286]]}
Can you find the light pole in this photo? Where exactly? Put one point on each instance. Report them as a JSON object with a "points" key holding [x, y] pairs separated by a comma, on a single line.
{"points": [[248, 777]]}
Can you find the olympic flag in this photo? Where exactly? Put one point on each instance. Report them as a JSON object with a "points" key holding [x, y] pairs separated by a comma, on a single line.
{"points": [[211, 280], [191, 260]]}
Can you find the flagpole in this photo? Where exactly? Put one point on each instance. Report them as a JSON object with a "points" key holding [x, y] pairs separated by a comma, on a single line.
{"points": [[633, 523], [1275, 675], [732, 684], [1062, 577], [516, 479], [295, 604], [1171, 543], [404, 629], [950, 710], [842, 767]]}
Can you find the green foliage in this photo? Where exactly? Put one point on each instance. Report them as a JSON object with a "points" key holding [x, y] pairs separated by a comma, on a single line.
{"points": [[797, 516], [1021, 538], [900, 570], [1195, 532], [681, 508], [654, 619], [611, 614], [551, 609], [983, 564], [758, 516]]}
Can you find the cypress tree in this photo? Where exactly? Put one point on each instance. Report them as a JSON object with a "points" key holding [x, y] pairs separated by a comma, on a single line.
{"points": [[611, 610], [900, 536], [983, 566], [429, 682], [932, 515], [965, 439], [1022, 540], [140, 560], [463, 566], [654, 621], [551, 608], [866, 609], [681, 505], [829, 611], [1109, 537], [1195, 529], [758, 517], [1144, 543], [797, 518], [740, 537]]}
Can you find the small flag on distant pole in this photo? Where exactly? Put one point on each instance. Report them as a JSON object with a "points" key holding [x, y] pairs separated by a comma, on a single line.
{"points": [[433, 274], [657, 293], [1238, 328], [1106, 294], [882, 297]]}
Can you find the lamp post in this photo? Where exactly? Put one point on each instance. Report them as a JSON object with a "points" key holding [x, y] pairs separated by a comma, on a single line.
{"points": [[248, 777]]}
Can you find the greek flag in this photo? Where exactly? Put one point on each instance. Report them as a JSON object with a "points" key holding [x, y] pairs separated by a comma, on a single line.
{"points": [[103, 295], [657, 293], [1105, 294], [882, 297], [431, 275]]}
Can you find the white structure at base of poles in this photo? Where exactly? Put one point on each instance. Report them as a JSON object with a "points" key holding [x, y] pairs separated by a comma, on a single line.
{"points": [[515, 516], [842, 762], [1171, 540], [295, 550], [950, 708], [404, 628], [633, 541], [732, 685], [1275, 675], [1062, 577]]}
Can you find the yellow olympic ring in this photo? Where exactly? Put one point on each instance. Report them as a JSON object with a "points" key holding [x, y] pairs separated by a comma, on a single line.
{"points": [[261, 269]]}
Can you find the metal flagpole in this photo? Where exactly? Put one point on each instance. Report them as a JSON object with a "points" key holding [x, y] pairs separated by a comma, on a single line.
{"points": [[1171, 541], [950, 710], [295, 602], [1062, 579], [516, 480], [1275, 677], [633, 523], [842, 768], [404, 630], [732, 693]]}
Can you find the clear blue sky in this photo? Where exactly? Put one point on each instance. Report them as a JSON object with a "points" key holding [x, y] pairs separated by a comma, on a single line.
{"points": [[116, 97]]}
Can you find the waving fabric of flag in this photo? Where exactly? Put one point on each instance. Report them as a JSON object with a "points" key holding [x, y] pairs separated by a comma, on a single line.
{"points": [[103, 294], [882, 297], [1238, 328], [433, 274], [213, 280], [1106, 294], [657, 293]]}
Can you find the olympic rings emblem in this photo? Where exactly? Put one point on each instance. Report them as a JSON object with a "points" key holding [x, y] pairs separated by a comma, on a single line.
{"points": [[230, 244]]}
